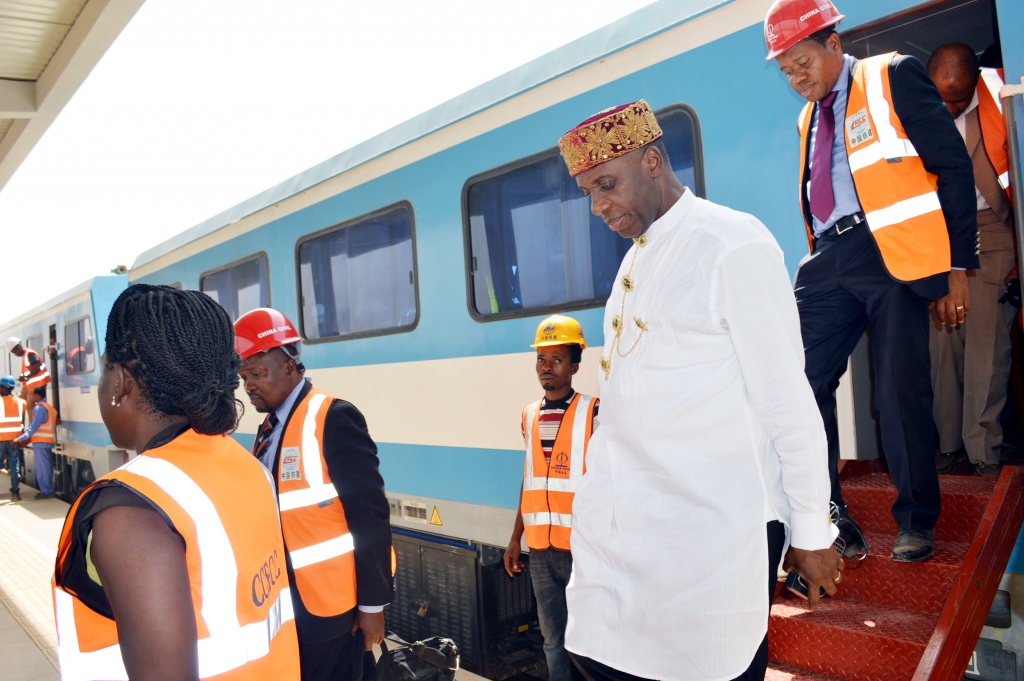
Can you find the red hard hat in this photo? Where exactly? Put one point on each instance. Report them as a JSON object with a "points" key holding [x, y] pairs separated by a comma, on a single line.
{"points": [[261, 330], [790, 21]]}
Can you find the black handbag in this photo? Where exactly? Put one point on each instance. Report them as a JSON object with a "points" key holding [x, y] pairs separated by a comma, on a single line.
{"points": [[434, 659]]}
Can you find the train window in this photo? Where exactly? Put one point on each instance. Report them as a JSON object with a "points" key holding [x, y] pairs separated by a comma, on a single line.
{"points": [[34, 343], [239, 287], [79, 357], [359, 278], [534, 245]]}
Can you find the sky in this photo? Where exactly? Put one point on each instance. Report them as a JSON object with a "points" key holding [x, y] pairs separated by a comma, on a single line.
{"points": [[200, 104]]}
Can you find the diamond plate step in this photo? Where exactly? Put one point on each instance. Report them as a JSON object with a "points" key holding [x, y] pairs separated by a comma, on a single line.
{"points": [[870, 498], [848, 639], [914, 586], [776, 673]]}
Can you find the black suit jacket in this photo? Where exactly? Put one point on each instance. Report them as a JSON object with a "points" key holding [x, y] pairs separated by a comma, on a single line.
{"points": [[351, 457], [933, 133]]}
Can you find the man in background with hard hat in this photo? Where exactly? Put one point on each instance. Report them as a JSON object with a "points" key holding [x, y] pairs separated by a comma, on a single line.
{"points": [[971, 360], [12, 424], [887, 196], [555, 464], [334, 514], [34, 373], [42, 434]]}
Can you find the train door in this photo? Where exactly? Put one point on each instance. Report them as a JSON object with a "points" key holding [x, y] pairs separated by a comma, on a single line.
{"points": [[999, 654]]}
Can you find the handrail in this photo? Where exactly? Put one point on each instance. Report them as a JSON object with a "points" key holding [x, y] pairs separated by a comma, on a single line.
{"points": [[1006, 94], [956, 634]]}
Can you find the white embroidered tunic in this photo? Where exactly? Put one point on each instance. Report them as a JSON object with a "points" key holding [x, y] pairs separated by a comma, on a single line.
{"points": [[708, 431]]}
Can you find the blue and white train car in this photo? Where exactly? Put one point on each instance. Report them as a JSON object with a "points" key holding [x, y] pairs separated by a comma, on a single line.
{"points": [[419, 263], [73, 324]]}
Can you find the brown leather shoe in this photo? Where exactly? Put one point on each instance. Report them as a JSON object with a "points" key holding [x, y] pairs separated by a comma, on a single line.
{"points": [[986, 470], [945, 463]]}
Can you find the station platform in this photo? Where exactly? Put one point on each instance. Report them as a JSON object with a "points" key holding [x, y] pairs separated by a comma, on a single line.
{"points": [[29, 531]]}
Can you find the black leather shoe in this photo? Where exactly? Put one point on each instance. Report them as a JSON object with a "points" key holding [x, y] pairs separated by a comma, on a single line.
{"points": [[913, 546], [851, 539], [43, 496]]}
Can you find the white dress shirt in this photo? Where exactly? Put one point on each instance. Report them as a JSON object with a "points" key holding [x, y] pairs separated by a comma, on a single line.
{"points": [[282, 412], [961, 126], [708, 429]]}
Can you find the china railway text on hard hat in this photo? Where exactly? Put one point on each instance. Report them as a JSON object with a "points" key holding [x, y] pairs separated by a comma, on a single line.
{"points": [[559, 330], [790, 21], [261, 330]]}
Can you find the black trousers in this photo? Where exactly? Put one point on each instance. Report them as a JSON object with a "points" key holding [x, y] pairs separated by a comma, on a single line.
{"points": [[776, 531], [841, 287], [337, 659]]}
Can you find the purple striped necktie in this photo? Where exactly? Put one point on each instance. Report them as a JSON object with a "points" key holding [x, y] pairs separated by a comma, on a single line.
{"points": [[823, 200]]}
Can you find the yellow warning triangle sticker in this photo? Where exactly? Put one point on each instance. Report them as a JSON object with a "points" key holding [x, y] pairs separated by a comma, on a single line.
{"points": [[435, 518]]}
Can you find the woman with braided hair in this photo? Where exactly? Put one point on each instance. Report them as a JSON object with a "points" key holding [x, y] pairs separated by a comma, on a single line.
{"points": [[172, 566]]}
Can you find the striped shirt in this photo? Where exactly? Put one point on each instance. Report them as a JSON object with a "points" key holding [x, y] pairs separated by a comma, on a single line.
{"points": [[550, 418]]}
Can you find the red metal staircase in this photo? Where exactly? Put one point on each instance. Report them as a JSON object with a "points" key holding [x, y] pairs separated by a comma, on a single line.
{"points": [[904, 621]]}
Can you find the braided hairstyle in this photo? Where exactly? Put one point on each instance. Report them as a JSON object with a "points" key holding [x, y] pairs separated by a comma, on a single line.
{"points": [[179, 346]]}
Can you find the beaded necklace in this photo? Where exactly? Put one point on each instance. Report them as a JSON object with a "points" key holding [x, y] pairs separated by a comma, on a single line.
{"points": [[628, 286]]}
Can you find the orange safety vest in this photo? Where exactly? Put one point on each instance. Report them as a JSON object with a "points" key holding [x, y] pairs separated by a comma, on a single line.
{"points": [[549, 487], [993, 128], [47, 433], [40, 379], [12, 418], [221, 501], [313, 520], [897, 194]]}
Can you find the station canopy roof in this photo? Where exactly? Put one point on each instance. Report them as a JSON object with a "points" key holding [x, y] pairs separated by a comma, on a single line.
{"points": [[47, 49]]}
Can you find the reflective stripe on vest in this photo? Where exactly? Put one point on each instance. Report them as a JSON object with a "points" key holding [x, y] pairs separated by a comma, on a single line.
{"points": [[993, 127], [47, 433], [897, 194], [12, 418], [316, 533], [549, 490], [40, 379], [228, 649]]}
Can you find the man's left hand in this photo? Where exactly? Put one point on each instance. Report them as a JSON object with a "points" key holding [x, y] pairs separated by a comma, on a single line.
{"points": [[952, 308], [372, 624], [821, 569]]}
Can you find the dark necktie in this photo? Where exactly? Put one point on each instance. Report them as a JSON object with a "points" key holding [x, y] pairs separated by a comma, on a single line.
{"points": [[263, 437], [823, 201]]}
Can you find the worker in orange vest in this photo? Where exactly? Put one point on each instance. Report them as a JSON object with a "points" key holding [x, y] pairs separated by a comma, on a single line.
{"points": [[34, 373], [887, 198], [557, 432], [12, 424], [971, 360], [171, 567], [334, 514], [42, 434]]}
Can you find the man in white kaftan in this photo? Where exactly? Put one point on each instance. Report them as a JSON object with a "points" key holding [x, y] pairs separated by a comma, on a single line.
{"points": [[711, 462]]}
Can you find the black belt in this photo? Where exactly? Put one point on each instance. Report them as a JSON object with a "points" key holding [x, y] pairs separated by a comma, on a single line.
{"points": [[844, 224]]}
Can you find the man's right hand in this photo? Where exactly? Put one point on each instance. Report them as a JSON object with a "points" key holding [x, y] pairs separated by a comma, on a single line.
{"points": [[821, 569], [513, 566]]}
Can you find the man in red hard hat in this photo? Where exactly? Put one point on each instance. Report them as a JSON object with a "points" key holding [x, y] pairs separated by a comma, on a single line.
{"points": [[887, 197], [334, 515]]}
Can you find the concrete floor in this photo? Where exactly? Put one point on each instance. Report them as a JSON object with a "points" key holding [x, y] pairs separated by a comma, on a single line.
{"points": [[29, 531]]}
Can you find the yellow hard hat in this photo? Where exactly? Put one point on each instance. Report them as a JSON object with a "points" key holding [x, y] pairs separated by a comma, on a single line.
{"points": [[559, 330]]}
